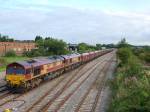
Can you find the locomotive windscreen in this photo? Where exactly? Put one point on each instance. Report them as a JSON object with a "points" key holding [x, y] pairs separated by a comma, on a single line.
{"points": [[15, 69]]}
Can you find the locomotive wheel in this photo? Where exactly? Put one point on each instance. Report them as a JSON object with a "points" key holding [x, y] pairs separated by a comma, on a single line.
{"points": [[33, 84], [28, 86], [37, 82]]}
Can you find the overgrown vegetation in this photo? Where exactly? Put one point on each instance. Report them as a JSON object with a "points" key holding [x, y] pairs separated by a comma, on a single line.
{"points": [[143, 54], [10, 54], [131, 85]]}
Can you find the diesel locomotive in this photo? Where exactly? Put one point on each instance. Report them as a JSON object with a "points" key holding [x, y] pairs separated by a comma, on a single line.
{"points": [[30, 73]]}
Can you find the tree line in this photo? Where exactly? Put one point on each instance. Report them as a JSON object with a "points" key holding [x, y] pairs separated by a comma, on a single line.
{"points": [[5, 38], [51, 46], [47, 46]]}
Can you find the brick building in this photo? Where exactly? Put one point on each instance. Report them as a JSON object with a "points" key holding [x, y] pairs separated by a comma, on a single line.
{"points": [[18, 47]]}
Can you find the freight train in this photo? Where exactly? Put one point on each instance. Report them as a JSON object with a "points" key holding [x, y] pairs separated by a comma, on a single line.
{"points": [[30, 73]]}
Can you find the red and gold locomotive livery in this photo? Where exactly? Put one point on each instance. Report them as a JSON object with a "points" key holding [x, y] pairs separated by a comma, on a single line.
{"points": [[30, 73]]}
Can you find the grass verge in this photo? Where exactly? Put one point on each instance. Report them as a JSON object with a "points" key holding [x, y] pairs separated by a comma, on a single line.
{"points": [[6, 60]]}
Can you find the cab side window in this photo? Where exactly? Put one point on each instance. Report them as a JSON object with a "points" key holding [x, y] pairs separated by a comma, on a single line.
{"points": [[37, 71], [71, 60]]}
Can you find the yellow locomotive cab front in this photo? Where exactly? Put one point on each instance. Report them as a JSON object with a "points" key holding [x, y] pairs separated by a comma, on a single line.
{"points": [[15, 79], [15, 75]]}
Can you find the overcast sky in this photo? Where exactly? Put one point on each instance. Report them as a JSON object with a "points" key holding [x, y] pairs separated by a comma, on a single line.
{"points": [[90, 21]]}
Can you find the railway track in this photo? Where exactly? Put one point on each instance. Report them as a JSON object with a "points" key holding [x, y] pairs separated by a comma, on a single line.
{"points": [[11, 99], [68, 96], [2, 88], [16, 96], [99, 85], [50, 90], [67, 84], [52, 99], [65, 103], [59, 92], [4, 94], [48, 104]]}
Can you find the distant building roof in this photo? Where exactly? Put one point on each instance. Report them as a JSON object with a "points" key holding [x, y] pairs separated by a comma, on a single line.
{"points": [[74, 45]]}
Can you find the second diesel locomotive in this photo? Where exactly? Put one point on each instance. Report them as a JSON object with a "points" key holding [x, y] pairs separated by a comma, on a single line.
{"points": [[30, 73]]}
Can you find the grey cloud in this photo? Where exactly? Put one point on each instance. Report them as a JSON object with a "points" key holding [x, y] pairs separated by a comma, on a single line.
{"points": [[73, 25]]}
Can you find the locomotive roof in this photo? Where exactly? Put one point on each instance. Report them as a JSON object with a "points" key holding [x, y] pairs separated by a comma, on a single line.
{"points": [[71, 56], [22, 63], [38, 61], [56, 57], [85, 54]]}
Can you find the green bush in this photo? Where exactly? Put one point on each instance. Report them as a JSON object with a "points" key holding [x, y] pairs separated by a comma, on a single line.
{"points": [[32, 53], [130, 94], [10, 54], [143, 54], [131, 85], [124, 54], [147, 57], [133, 67], [2, 61], [48, 46]]}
